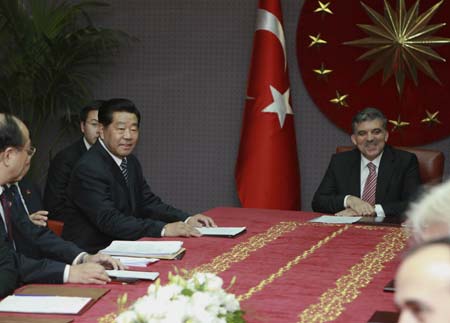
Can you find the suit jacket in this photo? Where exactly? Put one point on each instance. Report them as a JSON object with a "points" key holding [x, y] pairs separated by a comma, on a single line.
{"points": [[31, 195], [58, 178], [397, 181], [40, 255], [8, 272], [103, 207]]}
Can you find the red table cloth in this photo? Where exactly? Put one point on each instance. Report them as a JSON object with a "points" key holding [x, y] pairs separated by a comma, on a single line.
{"points": [[286, 269]]}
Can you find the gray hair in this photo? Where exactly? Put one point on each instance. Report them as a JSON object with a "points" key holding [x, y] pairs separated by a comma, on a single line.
{"points": [[368, 114], [432, 209]]}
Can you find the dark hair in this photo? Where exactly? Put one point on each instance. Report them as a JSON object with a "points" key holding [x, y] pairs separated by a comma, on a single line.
{"points": [[105, 113], [368, 114], [10, 133], [92, 106]]}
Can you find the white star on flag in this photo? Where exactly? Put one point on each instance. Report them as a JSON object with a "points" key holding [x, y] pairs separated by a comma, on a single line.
{"points": [[280, 105]]}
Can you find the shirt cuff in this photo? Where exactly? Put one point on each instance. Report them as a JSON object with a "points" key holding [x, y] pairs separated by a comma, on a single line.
{"points": [[379, 210], [66, 274], [79, 259], [345, 201], [187, 219], [163, 231]]}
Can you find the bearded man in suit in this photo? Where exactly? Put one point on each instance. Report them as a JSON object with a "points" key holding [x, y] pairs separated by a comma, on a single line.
{"points": [[108, 196], [374, 179]]}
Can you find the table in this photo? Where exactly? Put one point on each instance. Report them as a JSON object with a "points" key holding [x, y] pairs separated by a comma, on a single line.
{"points": [[286, 269]]}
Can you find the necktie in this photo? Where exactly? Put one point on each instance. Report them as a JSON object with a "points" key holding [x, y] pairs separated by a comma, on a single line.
{"points": [[6, 204], [370, 187], [124, 169]]}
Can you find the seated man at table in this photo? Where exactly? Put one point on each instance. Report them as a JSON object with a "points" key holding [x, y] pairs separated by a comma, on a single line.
{"points": [[62, 164], [40, 255], [374, 179], [8, 271], [108, 197], [423, 284], [429, 217]]}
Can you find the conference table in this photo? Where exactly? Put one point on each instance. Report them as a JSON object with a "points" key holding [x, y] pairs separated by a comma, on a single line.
{"points": [[286, 269]]}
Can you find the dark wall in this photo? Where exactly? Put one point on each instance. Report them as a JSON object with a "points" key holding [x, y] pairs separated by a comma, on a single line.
{"points": [[188, 75]]}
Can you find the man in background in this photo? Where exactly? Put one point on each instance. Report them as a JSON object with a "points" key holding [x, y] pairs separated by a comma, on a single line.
{"points": [[422, 284], [374, 179], [40, 256], [108, 196], [63, 163]]}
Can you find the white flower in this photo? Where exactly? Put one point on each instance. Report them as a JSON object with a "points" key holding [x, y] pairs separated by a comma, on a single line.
{"points": [[199, 299]]}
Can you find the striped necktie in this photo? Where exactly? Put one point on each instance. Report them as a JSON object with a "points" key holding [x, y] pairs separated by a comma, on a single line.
{"points": [[370, 187], [124, 169]]}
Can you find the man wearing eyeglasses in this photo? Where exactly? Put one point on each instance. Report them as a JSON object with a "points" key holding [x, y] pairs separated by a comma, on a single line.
{"points": [[63, 163], [40, 255]]}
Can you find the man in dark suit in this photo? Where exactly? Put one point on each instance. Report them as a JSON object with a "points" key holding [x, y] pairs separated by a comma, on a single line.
{"points": [[27, 194], [108, 197], [372, 180], [8, 271], [40, 255], [63, 163]]}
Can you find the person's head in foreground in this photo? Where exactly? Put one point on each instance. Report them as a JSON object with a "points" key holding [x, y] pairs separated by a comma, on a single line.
{"points": [[429, 217], [422, 284]]}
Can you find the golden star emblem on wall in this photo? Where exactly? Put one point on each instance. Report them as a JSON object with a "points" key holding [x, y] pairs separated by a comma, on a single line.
{"points": [[431, 118], [316, 40], [324, 8], [390, 54], [340, 100], [400, 42], [398, 124], [322, 72]]}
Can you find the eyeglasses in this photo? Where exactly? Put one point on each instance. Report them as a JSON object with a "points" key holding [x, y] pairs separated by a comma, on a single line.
{"points": [[30, 151]]}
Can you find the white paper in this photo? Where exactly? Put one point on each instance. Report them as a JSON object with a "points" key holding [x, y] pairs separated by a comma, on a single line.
{"points": [[136, 261], [43, 304], [133, 274], [143, 248], [221, 231], [336, 219]]}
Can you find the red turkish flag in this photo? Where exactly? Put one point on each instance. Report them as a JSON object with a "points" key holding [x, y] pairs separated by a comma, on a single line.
{"points": [[267, 172]]}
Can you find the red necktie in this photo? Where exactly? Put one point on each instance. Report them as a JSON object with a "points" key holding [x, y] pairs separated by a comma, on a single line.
{"points": [[6, 204], [370, 187]]}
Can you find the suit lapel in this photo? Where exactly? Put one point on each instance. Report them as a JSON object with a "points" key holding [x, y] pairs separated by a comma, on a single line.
{"points": [[115, 169], [354, 178], [384, 173]]}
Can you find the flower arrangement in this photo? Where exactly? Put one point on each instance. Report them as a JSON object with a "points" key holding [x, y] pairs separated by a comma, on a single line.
{"points": [[199, 299]]}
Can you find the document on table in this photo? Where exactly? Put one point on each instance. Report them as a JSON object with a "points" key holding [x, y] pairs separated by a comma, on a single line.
{"points": [[148, 249], [221, 231], [136, 261], [336, 219], [43, 304], [133, 274]]}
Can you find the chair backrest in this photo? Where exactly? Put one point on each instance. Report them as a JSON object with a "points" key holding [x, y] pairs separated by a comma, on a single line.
{"points": [[56, 226], [431, 162]]}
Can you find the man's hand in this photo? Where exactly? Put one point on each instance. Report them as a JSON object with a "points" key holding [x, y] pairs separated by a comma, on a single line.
{"points": [[346, 212], [106, 261], [180, 229], [201, 220], [360, 207], [89, 273], [39, 218]]}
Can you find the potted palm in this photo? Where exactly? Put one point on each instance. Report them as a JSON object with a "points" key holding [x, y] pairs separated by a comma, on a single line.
{"points": [[51, 52]]}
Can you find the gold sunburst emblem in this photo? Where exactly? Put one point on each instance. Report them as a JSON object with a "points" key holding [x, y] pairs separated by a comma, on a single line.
{"points": [[400, 42]]}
